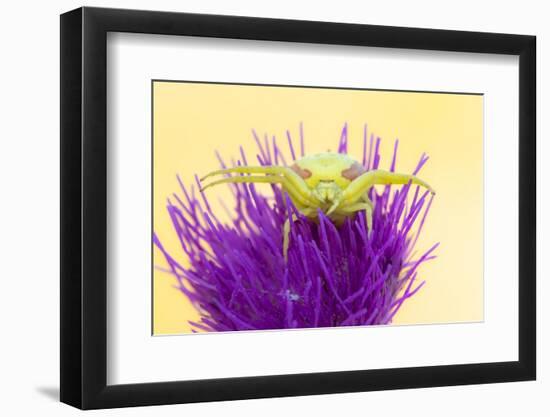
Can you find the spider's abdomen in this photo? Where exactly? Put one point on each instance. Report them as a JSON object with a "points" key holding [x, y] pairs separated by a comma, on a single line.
{"points": [[328, 166]]}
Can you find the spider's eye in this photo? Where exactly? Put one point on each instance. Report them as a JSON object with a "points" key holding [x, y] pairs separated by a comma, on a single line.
{"points": [[355, 170], [304, 173]]}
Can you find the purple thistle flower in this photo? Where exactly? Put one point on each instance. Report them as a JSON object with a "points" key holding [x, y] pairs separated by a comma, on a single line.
{"points": [[237, 276]]}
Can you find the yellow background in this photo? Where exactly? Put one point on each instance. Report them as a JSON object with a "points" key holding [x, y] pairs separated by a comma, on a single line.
{"points": [[192, 120]]}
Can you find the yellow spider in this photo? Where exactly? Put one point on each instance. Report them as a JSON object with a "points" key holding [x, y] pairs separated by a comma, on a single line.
{"points": [[332, 182]]}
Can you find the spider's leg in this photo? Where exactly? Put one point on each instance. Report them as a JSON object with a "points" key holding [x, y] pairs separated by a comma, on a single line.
{"points": [[291, 176], [295, 194], [336, 204], [364, 182], [362, 205], [286, 230], [286, 236]]}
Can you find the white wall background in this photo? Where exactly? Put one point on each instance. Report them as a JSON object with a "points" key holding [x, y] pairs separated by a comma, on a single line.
{"points": [[29, 190]]}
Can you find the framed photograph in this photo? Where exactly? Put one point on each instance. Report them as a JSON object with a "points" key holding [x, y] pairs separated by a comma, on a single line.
{"points": [[257, 207]]}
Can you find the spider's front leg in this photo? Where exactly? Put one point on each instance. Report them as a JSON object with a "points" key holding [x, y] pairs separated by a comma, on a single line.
{"points": [[292, 184], [355, 196], [295, 186], [361, 185], [291, 178]]}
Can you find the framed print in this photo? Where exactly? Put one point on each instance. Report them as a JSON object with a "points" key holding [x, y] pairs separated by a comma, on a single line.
{"points": [[259, 207]]}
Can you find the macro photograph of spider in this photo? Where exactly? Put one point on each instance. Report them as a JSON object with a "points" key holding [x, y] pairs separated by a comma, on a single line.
{"points": [[333, 183], [320, 224]]}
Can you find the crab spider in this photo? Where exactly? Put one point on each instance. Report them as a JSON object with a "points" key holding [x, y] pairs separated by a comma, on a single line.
{"points": [[334, 183]]}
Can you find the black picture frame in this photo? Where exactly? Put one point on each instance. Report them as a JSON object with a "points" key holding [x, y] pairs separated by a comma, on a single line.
{"points": [[84, 207]]}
